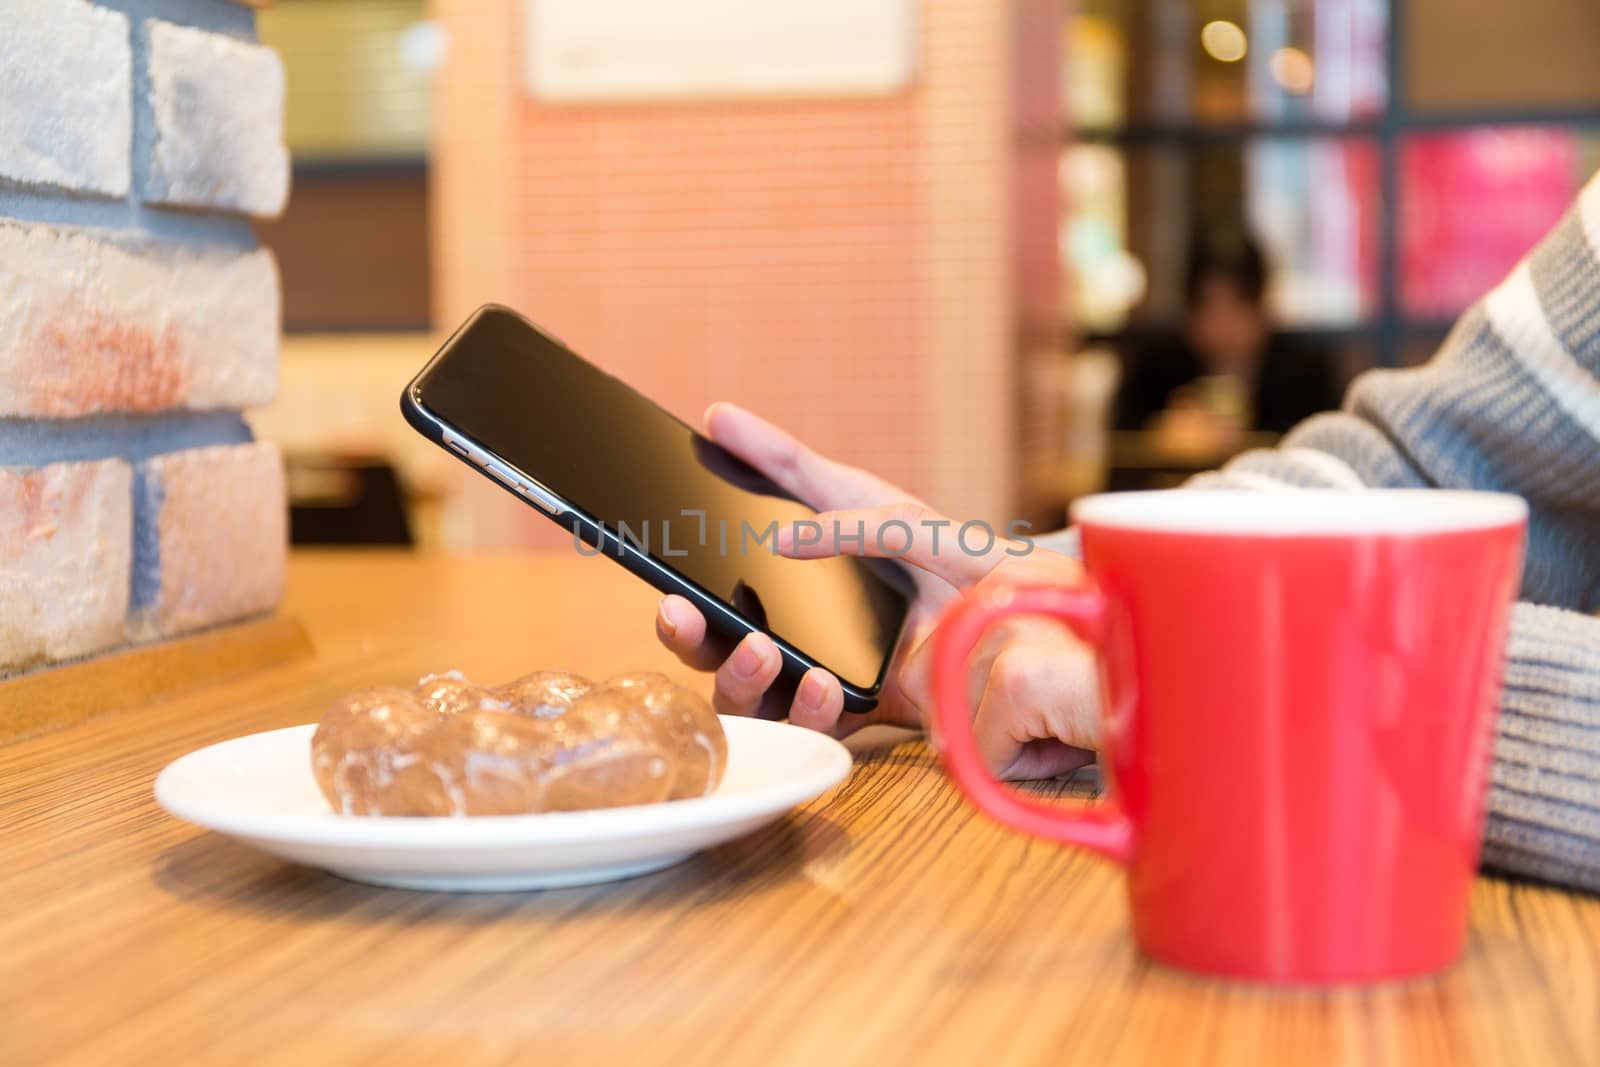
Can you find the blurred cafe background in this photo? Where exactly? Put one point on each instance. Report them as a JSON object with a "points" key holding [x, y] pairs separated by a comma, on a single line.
{"points": [[1003, 252]]}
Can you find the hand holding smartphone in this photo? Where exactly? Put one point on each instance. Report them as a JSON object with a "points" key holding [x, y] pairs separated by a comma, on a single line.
{"points": [[639, 485]]}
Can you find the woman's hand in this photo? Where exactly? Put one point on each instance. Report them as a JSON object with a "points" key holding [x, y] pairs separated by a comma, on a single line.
{"points": [[1033, 684], [745, 674]]}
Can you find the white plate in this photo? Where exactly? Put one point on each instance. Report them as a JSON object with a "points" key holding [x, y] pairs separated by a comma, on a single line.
{"points": [[259, 790]]}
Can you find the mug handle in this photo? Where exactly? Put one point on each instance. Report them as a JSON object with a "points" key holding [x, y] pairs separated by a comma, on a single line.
{"points": [[1102, 828]]}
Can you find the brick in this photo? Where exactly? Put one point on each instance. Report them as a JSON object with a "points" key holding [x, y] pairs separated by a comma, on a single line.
{"points": [[92, 325], [217, 105], [66, 111], [210, 537], [65, 546]]}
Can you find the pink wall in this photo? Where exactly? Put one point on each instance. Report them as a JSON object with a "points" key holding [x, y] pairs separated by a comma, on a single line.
{"points": [[849, 267], [763, 253]]}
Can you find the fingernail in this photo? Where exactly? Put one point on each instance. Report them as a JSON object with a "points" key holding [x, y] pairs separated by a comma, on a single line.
{"points": [[811, 693], [668, 627], [747, 659]]}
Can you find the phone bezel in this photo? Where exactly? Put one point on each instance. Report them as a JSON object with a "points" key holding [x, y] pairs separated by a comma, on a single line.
{"points": [[479, 456]]}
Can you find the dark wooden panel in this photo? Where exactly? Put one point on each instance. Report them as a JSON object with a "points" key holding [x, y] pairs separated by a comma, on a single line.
{"points": [[353, 248]]}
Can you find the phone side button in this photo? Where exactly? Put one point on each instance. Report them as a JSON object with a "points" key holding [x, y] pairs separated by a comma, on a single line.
{"points": [[506, 478], [543, 497], [536, 493]]}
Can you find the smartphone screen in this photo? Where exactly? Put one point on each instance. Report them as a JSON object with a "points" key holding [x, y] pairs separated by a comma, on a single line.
{"points": [[689, 504]]}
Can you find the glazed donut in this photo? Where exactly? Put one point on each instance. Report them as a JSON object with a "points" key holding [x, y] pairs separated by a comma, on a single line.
{"points": [[551, 741], [360, 752], [545, 694], [681, 723], [450, 693]]}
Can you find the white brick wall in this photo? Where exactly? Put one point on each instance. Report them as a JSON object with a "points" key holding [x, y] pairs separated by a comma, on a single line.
{"points": [[220, 525], [66, 101], [121, 316], [96, 326], [65, 548], [218, 106]]}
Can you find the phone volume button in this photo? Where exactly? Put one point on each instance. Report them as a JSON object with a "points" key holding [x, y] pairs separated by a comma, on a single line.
{"points": [[502, 475], [534, 492], [543, 498]]}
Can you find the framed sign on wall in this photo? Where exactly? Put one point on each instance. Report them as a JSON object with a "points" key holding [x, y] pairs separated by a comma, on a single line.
{"points": [[632, 50]]}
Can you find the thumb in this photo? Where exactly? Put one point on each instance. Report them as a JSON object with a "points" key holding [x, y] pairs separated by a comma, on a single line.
{"points": [[805, 474]]}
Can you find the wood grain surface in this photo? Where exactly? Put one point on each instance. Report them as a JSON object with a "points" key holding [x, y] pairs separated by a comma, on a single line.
{"points": [[132, 677], [886, 923]]}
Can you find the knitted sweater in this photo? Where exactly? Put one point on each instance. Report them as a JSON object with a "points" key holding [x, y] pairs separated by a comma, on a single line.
{"points": [[1511, 402]]}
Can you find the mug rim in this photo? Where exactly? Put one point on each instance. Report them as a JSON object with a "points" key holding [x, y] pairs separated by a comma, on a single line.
{"points": [[1299, 512]]}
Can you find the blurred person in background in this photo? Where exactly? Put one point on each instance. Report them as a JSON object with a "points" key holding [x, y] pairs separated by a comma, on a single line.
{"points": [[1228, 372]]}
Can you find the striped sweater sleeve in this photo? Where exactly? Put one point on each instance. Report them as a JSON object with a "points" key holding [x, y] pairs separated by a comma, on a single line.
{"points": [[1510, 402]]}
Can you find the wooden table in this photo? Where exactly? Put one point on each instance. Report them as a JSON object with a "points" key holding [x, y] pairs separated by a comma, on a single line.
{"points": [[884, 924]]}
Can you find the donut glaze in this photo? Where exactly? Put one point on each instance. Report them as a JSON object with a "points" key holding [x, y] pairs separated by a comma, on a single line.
{"points": [[545, 694], [551, 741], [681, 723]]}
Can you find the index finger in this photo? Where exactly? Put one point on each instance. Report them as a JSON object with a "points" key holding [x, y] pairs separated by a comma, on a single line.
{"points": [[682, 629]]}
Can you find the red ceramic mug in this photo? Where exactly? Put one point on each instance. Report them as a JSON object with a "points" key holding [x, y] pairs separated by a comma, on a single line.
{"points": [[1298, 693]]}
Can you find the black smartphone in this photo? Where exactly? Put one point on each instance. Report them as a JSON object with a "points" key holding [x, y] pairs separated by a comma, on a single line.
{"points": [[632, 482]]}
